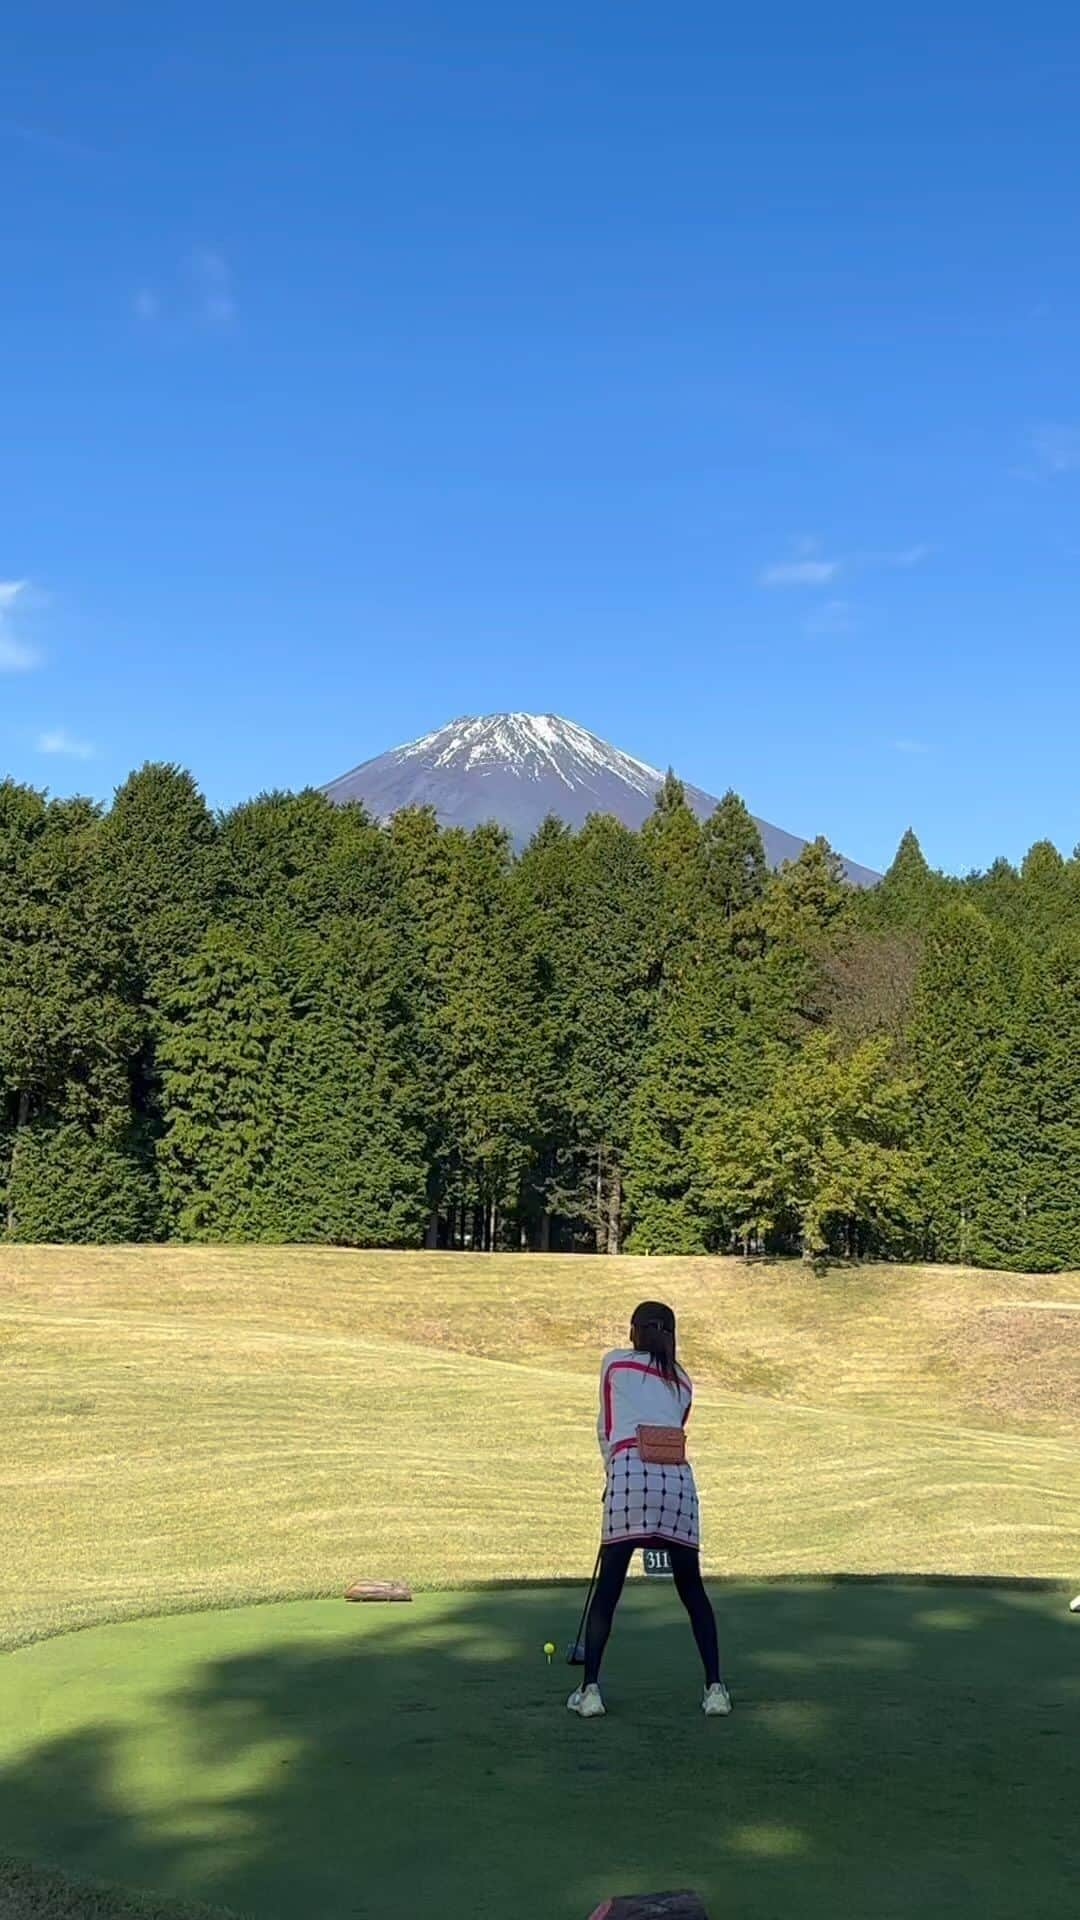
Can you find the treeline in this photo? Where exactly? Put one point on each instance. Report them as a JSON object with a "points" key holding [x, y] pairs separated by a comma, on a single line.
{"points": [[291, 1024]]}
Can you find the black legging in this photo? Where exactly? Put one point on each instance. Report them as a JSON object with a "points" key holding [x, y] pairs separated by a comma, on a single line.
{"points": [[686, 1566]]}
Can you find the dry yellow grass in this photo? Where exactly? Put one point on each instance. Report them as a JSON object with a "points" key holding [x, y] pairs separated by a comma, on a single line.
{"points": [[182, 1427]]}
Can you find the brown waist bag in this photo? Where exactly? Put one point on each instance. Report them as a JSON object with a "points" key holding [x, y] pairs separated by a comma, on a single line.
{"points": [[662, 1446]]}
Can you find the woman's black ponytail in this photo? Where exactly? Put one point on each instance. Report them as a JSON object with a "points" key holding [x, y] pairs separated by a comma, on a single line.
{"points": [[653, 1332]]}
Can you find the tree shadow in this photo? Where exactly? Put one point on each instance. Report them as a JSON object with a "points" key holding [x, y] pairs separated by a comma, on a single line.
{"points": [[896, 1748]]}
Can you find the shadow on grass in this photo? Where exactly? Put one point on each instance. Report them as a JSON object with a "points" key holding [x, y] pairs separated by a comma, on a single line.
{"points": [[896, 1750]]}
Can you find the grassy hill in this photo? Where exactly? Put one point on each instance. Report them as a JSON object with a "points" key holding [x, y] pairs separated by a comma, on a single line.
{"points": [[184, 1428]]}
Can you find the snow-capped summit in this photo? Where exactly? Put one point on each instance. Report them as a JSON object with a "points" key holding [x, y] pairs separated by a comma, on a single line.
{"points": [[535, 745], [517, 768]]}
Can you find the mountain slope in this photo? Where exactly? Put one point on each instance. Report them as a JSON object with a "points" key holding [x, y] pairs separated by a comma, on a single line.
{"points": [[517, 768]]}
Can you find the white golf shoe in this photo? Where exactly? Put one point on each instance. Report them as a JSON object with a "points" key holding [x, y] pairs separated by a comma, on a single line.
{"points": [[587, 1701], [716, 1700]]}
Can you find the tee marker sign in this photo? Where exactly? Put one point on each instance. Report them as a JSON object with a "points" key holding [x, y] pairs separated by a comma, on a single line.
{"points": [[656, 1562]]}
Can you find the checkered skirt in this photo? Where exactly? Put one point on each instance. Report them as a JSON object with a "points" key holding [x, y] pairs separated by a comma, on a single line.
{"points": [[646, 1502]]}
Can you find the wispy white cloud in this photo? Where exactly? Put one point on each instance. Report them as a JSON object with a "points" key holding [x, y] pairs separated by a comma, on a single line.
{"points": [[910, 746], [833, 617], [800, 573], [1055, 447], [806, 566], [59, 740], [210, 278], [16, 656], [200, 293], [810, 569]]}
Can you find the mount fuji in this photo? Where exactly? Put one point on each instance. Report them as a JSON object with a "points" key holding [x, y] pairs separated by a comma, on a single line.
{"points": [[516, 769]]}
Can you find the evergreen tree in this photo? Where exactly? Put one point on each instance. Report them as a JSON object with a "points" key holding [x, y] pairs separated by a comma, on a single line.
{"points": [[959, 1017], [805, 914], [419, 864], [824, 1157], [71, 1184], [314, 1028], [809, 895], [224, 1048], [476, 972], [1055, 1237], [543, 883], [671, 839], [1028, 1212], [69, 1022], [733, 866], [276, 852], [160, 868], [910, 893], [708, 1053], [702, 1044], [161, 888], [1046, 896], [997, 894], [348, 1164], [615, 971], [307, 1005]]}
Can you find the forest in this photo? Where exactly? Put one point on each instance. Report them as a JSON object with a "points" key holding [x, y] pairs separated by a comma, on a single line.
{"points": [[288, 1023]]}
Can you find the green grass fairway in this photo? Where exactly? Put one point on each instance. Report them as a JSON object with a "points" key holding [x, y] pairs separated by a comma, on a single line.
{"points": [[896, 1750], [184, 1431], [185, 1427]]}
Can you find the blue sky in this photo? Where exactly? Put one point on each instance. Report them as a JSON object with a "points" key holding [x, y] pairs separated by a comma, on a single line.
{"points": [[706, 375]]}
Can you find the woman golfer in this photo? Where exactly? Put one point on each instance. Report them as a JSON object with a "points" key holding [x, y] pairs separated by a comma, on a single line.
{"points": [[650, 1499]]}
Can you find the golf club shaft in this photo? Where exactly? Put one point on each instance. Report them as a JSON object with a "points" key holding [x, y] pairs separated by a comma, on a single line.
{"points": [[588, 1597]]}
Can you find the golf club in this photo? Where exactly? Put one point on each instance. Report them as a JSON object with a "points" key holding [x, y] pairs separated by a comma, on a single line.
{"points": [[575, 1652]]}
